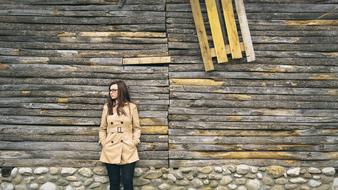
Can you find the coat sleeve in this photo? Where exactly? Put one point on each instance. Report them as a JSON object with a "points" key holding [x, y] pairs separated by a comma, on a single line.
{"points": [[136, 125], [103, 125]]}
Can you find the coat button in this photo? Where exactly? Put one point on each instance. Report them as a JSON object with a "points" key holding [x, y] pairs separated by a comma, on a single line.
{"points": [[112, 141], [112, 123], [121, 140], [121, 122]]}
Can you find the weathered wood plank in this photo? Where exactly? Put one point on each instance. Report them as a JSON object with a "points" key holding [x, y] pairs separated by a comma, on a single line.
{"points": [[229, 18], [216, 31], [202, 36]]}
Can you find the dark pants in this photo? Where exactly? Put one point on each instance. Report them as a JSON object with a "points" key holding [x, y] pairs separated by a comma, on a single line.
{"points": [[115, 172]]}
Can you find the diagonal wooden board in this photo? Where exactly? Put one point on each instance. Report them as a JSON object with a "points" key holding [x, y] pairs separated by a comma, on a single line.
{"points": [[202, 35]]}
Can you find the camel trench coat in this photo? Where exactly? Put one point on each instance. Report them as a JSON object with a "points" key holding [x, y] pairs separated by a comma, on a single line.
{"points": [[119, 135]]}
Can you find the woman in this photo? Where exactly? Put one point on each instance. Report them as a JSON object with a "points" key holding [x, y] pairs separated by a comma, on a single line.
{"points": [[119, 135]]}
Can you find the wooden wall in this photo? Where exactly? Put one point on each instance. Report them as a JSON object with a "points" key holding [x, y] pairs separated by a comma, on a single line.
{"points": [[280, 109], [57, 57]]}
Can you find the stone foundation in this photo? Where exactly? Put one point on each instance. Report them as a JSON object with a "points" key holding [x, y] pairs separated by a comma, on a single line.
{"points": [[227, 177]]}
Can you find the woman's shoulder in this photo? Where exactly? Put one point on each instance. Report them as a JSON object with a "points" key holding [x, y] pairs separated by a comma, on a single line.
{"points": [[132, 104]]}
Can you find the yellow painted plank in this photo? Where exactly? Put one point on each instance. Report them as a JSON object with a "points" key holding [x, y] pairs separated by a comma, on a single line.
{"points": [[146, 60], [216, 31], [243, 23], [312, 22], [230, 24], [202, 35], [125, 34], [196, 82], [227, 49]]}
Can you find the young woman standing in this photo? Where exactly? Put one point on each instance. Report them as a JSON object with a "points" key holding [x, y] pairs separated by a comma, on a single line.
{"points": [[119, 136]]}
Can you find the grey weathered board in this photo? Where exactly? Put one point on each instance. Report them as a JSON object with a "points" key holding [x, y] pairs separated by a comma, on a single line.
{"points": [[281, 109]]}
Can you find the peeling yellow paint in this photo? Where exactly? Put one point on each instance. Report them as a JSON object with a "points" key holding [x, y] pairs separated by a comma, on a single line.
{"points": [[323, 77], [153, 130], [242, 97], [333, 92], [124, 34], [62, 100], [233, 118], [312, 22], [25, 93], [196, 82], [3, 66]]}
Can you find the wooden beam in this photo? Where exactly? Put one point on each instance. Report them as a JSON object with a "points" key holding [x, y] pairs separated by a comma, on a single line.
{"points": [[231, 29], [216, 31], [243, 22], [202, 35]]}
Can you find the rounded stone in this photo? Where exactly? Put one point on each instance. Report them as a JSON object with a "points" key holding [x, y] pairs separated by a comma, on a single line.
{"points": [[41, 179], [335, 184], [29, 179], [182, 182], [26, 171], [218, 169], [221, 188], [172, 177], [293, 172], [178, 174], [33, 186], [281, 181], [68, 171], [290, 186], [7, 186], [62, 182], [267, 180], [48, 186], [298, 180], [241, 188], [102, 171], [164, 186], [277, 187], [14, 172], [250, 175], [138, 172], [86, 172], [232, 186], [313, 170], [254, 169], [314, 183], [304, 187], [225, 180], [253, 184], [232, 168], [141, 181], [259, 175], [69, 187], [88, 181], [20, 187], [71, 178], [213, 183], [165, 170], [214, 176], [186, 169], [196, 182], [202, 176], [205, 170], [307, 175], [226, 171], [275, 171], [326, 179], [206, 181], [54, 170], [153, 174], [330, 171], [148, 187], [77, 183], [316, 177], [41, 170], [17, 179], [94, 185], [101, 179], [242, 169], [240, 181]]}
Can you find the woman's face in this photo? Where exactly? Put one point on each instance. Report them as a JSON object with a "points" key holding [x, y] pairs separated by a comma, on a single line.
{"points": [[114, 93]]}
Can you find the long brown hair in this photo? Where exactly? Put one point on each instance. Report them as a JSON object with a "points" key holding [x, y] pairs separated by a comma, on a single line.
{"points": [[123, 97]]}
